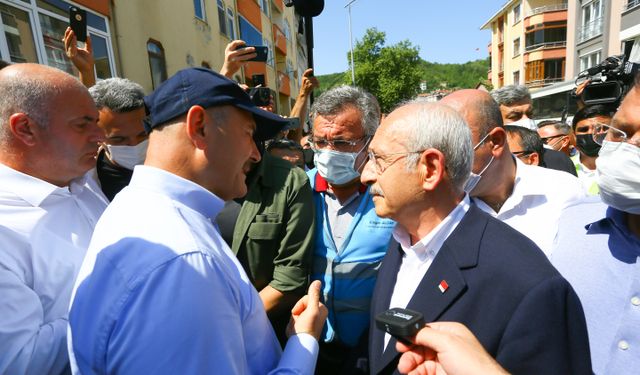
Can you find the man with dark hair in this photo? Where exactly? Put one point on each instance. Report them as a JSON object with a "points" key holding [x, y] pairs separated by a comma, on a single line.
{"points": [[598, 244], [49, 206], [584, 123], [525, 144], [528, 198], [288, 150], [159, 291], [556, 135]]}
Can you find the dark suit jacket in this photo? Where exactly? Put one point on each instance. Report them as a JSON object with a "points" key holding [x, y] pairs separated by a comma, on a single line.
{"points": [[557, 160], [504, 289]]}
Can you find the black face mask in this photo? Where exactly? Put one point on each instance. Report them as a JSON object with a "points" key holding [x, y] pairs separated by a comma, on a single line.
{"points": [[587, 145]]}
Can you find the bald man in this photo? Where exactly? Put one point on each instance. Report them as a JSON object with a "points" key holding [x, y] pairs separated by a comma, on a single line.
{"points": [[526, 197], [48, 209]]}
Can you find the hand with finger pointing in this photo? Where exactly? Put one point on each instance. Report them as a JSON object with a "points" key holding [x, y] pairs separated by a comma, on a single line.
{"points": [[309, 314]]}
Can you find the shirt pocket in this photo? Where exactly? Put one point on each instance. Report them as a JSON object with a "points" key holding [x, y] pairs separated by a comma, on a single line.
{"points": [[264, 231]]}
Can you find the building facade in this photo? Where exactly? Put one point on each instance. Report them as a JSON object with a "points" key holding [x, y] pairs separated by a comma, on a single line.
{"points": [[149, 40]]}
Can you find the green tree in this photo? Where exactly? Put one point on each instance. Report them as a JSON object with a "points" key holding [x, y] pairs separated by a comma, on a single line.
{"points": [[391, 73]]}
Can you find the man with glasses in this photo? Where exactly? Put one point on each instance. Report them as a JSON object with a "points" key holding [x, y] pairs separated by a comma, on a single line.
{"points": [[452, 262], [527, 146], [350, 239], [584, 123], [556, 135], [529, 199], [598, 245]]}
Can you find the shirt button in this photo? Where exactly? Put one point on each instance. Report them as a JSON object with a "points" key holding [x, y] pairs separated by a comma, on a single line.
{"points": [[635, 301], [623, 345]]}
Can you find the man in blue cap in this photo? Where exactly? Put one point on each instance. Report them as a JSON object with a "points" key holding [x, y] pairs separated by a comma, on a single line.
{"points": [[160, 292]]}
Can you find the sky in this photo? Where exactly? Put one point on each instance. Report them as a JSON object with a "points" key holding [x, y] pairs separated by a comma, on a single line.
{"points": [[446, 31]]}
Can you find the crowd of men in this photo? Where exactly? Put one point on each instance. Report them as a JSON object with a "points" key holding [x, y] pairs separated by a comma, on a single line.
{"points": [[191, 231]]}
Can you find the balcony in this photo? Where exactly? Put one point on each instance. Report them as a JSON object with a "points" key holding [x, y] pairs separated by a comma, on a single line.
{"points": [[591, 30], [279, 39], [543, 82], [547, 9], [546, 45], [284, 85], [631, 4]]}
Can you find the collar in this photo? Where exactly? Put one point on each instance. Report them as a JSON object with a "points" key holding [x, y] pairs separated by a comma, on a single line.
{"points": [[32, 189], [178, 189], [615, 221], [429, 245], [321, 185]]}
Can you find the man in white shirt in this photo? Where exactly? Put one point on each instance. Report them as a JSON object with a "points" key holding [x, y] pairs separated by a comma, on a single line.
{"points": [[160, 292], [48, 209], [528, 198], [452, 262]]}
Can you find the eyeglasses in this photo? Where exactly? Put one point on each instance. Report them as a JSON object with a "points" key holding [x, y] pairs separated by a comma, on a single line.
{"points": [[376, 159], [336, 144], [546, 140], [522, 153], [602, 132]]}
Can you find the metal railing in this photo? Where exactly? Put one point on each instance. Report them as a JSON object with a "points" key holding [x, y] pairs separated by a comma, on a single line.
{"points": [[546, 45], [548, 8], [631, 4], [591, 29], [543, 82]]}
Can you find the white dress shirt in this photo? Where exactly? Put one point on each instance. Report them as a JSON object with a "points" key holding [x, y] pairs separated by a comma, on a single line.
{"points": [[160, 292], [538, 198], [418, 257], [44, 234]]}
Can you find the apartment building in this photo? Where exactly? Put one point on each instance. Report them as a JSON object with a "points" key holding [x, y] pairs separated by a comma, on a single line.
{"points": [[528, 43], [149, 40]]}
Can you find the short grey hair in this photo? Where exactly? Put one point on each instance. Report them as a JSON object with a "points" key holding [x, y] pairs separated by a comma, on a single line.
{"points": [[558, 125], [337, 99], [118, 94], [434, 125], [22, 93], [511, 94]]}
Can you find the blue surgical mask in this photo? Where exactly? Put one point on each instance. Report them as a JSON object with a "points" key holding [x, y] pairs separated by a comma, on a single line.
{"points": [[338, 168]]}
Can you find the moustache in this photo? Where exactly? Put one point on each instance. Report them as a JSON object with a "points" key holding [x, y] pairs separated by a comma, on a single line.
{"points": [[375, 190]]}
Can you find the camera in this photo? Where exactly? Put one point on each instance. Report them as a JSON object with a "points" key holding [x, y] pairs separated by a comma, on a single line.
{"points": [[610, 80], [260, 96]]}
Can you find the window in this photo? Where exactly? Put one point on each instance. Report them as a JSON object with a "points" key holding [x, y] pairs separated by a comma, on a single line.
{"points": [[222, 23], [544, 72], [516, 13], [249, 33], [231, 30], [591, 20], [516, 77], [264, 5], [516, 47], [198, 5], [590, 60], [632, 3], [157, 62], [546, 36], [21, 22]]}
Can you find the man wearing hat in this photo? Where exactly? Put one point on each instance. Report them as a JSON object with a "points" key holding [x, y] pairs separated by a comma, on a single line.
{"points": [[159, 291]]}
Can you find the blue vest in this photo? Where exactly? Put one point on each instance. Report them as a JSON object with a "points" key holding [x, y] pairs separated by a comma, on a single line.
{"points": [[349, 276]]}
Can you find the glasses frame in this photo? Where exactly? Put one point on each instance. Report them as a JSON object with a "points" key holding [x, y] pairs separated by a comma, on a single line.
{"points": [[373, 157], [546, 140], [601, 131], [343, 143]]}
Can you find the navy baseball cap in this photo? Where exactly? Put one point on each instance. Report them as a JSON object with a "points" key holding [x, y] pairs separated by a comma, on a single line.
{"points": [[206, 88]]}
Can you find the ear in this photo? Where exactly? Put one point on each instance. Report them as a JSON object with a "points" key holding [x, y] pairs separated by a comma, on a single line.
{"points": [[196, 121], [23, 128], [565, 142], [498, 140], [534, 158], [431, 167]]}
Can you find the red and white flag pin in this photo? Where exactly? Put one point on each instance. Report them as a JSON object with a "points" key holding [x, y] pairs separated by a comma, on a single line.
{"points": [[443, 286]]}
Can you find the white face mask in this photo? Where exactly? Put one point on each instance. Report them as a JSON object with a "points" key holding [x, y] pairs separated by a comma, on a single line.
{"points": [[525, 123], [128, 156], [618, 166], [475, 178], [338, 168]]}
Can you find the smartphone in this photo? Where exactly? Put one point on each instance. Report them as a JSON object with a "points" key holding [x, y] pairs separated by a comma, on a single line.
{"points": [[262, 53], [78, 23]]}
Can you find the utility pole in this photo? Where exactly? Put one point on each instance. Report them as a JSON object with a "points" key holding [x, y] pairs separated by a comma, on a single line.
{"points": [[353, 68]]}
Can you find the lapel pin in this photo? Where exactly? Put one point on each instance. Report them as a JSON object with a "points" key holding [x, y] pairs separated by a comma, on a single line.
{"points": [[443, 286]]}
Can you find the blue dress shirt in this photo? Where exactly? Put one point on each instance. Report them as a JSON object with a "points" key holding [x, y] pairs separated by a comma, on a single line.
{"points": [[161, 293], [599, 256]]}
